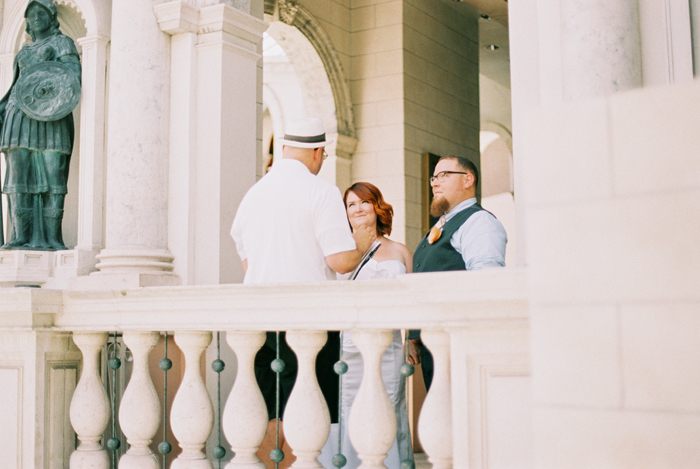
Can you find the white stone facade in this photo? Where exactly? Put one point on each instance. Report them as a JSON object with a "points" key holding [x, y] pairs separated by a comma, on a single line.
{"points": [[584, 357]]}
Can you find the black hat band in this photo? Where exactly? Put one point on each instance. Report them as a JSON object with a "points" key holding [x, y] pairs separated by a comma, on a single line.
{"points": [[314, 139]]}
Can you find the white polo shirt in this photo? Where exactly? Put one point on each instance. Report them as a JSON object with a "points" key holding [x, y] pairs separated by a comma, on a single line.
{"points": [[288, 223]]}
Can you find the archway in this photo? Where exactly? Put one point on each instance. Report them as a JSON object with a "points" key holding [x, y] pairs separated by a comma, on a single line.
{"points": [[497, 185], [297, 47]]}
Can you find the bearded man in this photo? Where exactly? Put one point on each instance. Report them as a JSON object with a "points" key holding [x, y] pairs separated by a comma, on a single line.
{"points": [[466, 237]]}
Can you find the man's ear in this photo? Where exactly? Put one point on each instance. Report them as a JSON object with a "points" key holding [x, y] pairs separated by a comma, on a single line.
{"points": [[469, 178]]}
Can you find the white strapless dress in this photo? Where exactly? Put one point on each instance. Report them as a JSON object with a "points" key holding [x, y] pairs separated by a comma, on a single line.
{"points": [[392, 360]]}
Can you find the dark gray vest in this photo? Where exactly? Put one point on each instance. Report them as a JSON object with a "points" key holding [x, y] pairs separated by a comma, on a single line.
{"points": [[441, 256]]}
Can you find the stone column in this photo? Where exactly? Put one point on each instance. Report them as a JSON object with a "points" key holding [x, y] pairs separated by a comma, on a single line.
{"points": [[216, 111], [136, 238], [600, 47], [92, 153]]}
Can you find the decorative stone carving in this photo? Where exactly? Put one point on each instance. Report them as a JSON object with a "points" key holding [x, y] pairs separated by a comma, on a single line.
{"points": [[269, 7], [287, 10], [296, 15]]}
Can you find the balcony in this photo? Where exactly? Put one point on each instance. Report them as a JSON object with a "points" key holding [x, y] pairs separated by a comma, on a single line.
{"points": [[476, 415]]}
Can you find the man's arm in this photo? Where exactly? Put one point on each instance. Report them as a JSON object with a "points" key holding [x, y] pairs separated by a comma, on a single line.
{"points": [[245, 265], [346, 261], [481, 241]]}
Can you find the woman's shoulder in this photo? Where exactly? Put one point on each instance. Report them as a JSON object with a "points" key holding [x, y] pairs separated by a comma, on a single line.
{"points": [[393, 250]]}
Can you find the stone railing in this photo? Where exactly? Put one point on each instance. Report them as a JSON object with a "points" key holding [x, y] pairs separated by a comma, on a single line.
{"points": [[476, 324]]}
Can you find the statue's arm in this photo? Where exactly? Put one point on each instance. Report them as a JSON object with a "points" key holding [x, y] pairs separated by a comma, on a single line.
{"points": [[3, 101], [68, 55]]}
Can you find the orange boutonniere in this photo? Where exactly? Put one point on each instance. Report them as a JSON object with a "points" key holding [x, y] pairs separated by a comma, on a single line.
{"points": [[436, 231], [434, 234]]}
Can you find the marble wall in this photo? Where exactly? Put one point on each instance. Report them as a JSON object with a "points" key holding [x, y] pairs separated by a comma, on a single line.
{"points": [[612, 203]]}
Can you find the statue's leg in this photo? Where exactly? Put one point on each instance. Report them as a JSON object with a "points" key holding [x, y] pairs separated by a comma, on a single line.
{"points": [[57, 175], [21, 220], [53, 217], [20, 207]]}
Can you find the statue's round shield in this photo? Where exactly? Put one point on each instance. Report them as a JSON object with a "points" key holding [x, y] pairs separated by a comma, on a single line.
{"points": [[48, 91]]}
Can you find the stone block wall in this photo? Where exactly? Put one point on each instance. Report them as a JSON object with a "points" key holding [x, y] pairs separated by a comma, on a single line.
{"points": [[376, 78], [612, 203], [414, 83], [441, 96]]}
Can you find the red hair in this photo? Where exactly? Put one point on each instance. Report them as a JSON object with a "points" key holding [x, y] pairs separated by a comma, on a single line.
{"points": [[384, 211]]}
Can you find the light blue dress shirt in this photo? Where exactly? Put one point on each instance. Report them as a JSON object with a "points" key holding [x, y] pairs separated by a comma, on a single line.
{"points": [[481, 239]]}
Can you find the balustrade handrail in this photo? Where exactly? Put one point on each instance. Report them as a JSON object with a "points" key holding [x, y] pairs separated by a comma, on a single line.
{"points": [[426, 300]]}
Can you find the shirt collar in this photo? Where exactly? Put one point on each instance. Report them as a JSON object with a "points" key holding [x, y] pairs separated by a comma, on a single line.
{"points": [[459, 207], [290, 164]]}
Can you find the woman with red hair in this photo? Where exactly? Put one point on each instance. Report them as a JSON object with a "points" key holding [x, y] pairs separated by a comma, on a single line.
{"points": [[366, 206]]}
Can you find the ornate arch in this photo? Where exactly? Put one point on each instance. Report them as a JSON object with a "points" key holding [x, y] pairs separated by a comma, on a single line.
{"points": [[94, 16], [295, 15]]}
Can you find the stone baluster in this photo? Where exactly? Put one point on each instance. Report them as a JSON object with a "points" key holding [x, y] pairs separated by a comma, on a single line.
{"points": [[192, 414], [245, 415], [89, 407], [139, 412], [435, 424], [372, 417], [307, 421]]}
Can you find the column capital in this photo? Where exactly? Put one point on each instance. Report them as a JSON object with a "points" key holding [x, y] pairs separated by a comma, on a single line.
{"points": [[177, 17], [92, 40], [222, 17], [224, 24]]}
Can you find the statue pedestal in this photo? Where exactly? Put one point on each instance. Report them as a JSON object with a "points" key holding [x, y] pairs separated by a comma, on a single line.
{"points": [[61, 270], [25, 268], [47, 269]]}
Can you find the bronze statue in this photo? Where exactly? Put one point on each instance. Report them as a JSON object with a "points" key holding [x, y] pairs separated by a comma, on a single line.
{"points": [[37, 131]]}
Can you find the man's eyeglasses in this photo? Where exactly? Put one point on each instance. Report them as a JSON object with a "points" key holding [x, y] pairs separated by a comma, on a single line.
{"points": [[325, 155], [440, 177]]}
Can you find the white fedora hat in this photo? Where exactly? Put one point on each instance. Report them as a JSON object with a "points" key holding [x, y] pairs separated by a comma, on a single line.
{"points": [[305, 133]]}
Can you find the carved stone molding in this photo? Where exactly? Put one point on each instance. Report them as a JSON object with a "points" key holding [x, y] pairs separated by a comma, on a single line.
{"points": [[296, 15], [269, 7]]}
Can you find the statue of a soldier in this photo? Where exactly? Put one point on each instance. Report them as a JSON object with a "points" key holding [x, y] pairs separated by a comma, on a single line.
{"points": [[37, 131]]}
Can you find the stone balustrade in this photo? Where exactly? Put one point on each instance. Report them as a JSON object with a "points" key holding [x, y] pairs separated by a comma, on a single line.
{"points": [[476, 412]]}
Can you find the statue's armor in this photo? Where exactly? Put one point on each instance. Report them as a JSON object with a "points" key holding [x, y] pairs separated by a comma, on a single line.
{"points": [[21, 131]]}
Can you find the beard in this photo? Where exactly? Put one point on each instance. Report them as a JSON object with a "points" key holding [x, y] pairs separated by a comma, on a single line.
{"points": [[439, 206]]}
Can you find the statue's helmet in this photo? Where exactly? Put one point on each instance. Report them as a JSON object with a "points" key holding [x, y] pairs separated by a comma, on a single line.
{"points": [[48, 4]]}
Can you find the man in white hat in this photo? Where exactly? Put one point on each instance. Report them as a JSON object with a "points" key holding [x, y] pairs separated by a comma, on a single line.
{"points": [[292, 227]]}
